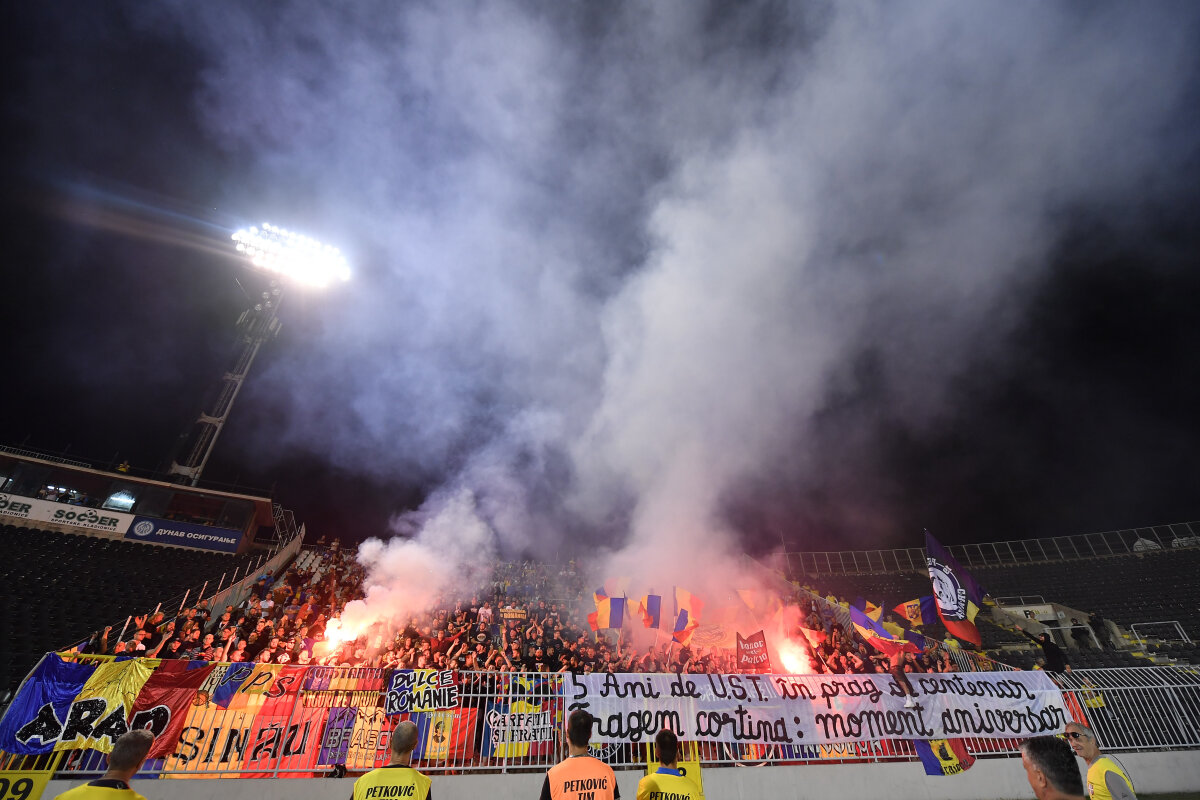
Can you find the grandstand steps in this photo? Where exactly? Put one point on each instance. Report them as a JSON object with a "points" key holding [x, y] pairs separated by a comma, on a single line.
{"points": [[61, 587]]}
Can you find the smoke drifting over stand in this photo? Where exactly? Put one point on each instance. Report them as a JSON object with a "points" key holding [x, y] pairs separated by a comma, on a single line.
{"points": [[660, 283]]}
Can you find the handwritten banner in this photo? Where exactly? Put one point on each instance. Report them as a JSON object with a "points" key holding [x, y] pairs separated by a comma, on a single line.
{"points": [[817, 709], [752, 653], [421, 690]]}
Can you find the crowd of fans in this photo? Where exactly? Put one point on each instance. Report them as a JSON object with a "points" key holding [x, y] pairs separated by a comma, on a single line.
{"points": [[532, 618], [280, 622]]}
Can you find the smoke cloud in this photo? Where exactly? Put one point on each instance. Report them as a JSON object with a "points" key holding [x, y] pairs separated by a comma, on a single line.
{"points": [[646, 282]]}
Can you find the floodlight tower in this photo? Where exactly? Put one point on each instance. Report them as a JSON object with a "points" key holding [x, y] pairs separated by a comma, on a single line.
{"points": [[288, 256]]}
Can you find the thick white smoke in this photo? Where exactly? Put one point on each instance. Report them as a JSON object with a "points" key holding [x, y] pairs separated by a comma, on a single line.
{"points": [[614, 266]]}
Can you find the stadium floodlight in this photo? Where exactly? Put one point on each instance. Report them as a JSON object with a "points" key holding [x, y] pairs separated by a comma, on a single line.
{"points": [[292, 255]]}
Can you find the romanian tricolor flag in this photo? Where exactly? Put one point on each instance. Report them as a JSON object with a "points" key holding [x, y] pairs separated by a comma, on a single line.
{"points": [[944, 756], [687, 614], [922, 611], [957, 594], [610, 612], [763, 603], [916, 639], [650, 610], [105, 702], [445, 734]]}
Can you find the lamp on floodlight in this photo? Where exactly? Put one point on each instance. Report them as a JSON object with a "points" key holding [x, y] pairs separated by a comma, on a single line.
{"points": [[288, 256], [291, 255]]}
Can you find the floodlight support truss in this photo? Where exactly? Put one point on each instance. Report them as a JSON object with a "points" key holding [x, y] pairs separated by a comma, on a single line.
{"points": [[256, 326]]}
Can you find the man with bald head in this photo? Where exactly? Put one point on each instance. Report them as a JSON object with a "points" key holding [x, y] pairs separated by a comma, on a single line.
{"points": [[397, 778]]}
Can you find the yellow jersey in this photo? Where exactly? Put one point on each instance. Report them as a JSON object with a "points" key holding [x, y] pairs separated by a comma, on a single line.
{"points": [[393, 781], [101, 790], [668, 784], [1098, 776]]}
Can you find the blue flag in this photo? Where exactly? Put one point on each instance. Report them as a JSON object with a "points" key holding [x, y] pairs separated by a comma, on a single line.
{"points": [[34, 721]]}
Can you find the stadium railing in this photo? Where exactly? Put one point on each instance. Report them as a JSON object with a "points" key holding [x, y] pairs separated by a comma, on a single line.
{"points": [[311, 721], [1175, 625], [1021, 551]]}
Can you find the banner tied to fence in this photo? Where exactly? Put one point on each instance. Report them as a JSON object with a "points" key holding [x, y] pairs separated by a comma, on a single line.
{"points": [[817, 709], [255, 720]]}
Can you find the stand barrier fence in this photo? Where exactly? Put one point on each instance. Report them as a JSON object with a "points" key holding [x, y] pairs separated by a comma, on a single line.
{"points": [[273, 721]]}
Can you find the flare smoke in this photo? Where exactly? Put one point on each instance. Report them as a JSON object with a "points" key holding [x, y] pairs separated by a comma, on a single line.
{"points": [[640, 282]]}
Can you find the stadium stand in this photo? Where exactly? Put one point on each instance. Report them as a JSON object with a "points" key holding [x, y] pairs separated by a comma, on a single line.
{"points": [[71, 586], [1138, 588], [68, 587], [532, 618], [1144, 587], [60, 588]]}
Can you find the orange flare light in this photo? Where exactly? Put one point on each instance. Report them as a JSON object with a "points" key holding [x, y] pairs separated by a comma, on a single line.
{"points": [[794, 658]]}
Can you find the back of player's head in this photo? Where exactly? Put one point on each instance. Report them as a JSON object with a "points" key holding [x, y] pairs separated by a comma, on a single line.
{"points": [[130, 750], [404, 738], [1054, 758], [579, 728], [667, 745]]}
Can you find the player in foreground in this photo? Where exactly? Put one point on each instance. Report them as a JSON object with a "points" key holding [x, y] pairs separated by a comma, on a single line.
{"points": [[124, 761], [668, 780], [397, 778], [580, 775]]}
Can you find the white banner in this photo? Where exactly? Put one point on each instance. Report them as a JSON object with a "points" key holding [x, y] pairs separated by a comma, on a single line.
{"points": [[99, 519], [817, 709]]}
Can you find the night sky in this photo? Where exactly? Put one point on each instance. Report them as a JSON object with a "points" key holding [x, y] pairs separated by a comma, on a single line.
{"points": [[671, 272]]}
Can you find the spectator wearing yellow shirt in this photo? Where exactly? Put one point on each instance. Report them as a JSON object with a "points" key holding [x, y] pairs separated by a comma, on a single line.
{"points": [[1106, 779]]}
